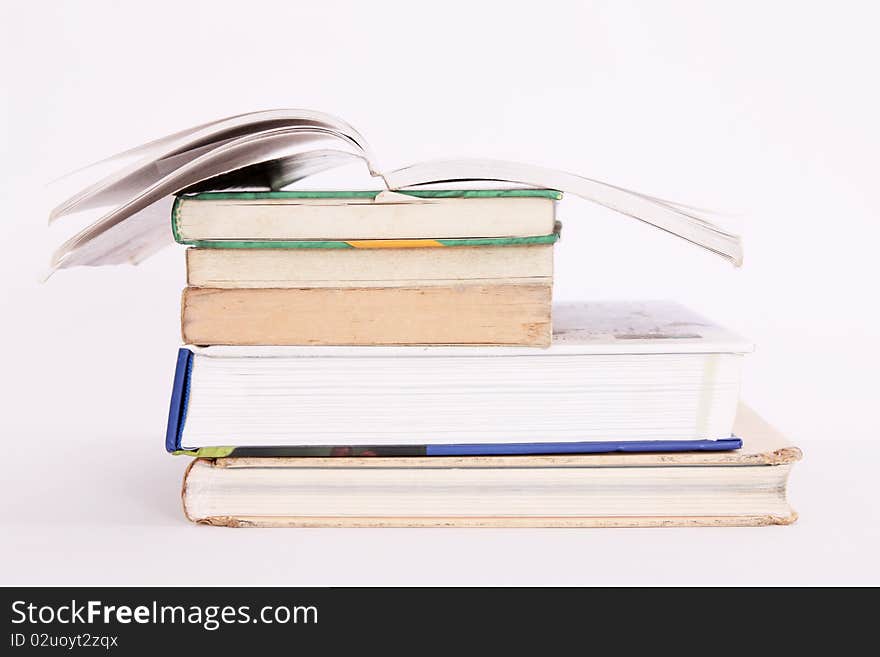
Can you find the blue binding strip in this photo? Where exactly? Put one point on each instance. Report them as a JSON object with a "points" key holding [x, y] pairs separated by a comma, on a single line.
{"points": [[179, 399], [592, 447]]}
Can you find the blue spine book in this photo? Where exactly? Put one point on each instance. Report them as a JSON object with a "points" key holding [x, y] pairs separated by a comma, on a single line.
{"points": [[180, 399]]}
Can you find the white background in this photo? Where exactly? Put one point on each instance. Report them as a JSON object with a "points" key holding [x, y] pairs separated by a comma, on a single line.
{"points": [[765, 110]]}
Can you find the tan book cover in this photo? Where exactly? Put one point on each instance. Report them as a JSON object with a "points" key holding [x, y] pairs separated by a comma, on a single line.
{"points": [[445, 315]]}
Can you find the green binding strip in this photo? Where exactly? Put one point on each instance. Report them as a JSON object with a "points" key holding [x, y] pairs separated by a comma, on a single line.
{"points": [[502, 241], [267, 244], [418, 193], [302, 244], [205, 452], [175, 219]]}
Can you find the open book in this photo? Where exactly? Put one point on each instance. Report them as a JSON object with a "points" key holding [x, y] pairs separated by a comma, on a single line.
{"points": [[275, 148]]}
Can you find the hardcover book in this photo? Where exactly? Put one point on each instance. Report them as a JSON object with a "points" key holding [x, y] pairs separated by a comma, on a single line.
{"points": [[615, 372], [218, 218], [739, 488]]}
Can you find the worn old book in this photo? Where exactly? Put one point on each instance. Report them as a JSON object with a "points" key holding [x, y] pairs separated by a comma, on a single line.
{"points": [[616, 371], [224, 218], [369, 267], [481, 314], [745, 487]]}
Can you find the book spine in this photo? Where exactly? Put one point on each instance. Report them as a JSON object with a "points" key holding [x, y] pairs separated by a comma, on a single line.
{"points": [[175, 219], [179, 399], [467, 449]]}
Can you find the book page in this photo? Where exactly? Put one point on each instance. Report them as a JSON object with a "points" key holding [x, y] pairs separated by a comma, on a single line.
{"points": [[276, 148], [675, 218]]}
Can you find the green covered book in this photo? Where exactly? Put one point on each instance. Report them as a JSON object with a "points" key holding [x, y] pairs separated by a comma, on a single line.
{"points": [[366, 219]]}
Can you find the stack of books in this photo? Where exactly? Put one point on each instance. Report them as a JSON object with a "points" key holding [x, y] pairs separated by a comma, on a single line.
{"points": [[367, 358], [368, 268], [393, 358]]}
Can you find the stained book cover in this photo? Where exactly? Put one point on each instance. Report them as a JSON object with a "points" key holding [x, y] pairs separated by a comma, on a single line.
{"points": [[481, 314]]}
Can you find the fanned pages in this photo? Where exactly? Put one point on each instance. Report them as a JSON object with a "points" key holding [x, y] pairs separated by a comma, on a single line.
{"points": [[671, 217], [275, 148], [100, 244], [157, 158]]}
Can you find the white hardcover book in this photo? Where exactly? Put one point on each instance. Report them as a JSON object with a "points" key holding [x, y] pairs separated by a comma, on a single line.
{"points": [[742, 487], [615, 371]]}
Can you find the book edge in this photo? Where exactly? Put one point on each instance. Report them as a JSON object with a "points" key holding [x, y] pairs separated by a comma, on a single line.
{"points": [[460, 450], [381, 243], [558, 522], [538, 334], [551, 194]]}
